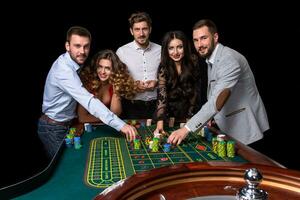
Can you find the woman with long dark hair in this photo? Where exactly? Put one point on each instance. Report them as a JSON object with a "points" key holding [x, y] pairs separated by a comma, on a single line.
{"points": [[177, 78]]}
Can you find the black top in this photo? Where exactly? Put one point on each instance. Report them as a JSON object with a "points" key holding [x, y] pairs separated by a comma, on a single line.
{"points": [[180, 98]]}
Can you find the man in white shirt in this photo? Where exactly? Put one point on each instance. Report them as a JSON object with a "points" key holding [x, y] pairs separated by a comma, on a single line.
{"points": [[142, 58], [63, 89]]}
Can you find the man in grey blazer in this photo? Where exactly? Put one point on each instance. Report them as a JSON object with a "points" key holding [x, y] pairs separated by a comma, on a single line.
{"points": [[233, 99]]}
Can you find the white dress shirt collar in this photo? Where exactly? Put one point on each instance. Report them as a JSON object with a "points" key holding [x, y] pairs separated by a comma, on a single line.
{"points": [[72, 62], [138, 47], [212, 57]]}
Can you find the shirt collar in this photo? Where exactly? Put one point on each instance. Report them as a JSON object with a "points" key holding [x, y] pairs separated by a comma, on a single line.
{"points": [[72, 62], [137, 47], [212, 58]]}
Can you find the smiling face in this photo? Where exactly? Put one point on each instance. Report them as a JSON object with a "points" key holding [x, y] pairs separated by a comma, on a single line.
{"points": [[78, 48], [141, 32], [175, 49], [104, 69], [204, 41]]}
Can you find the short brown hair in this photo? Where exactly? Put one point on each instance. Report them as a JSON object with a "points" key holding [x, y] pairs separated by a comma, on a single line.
{"points": [[139, 17], [78, 30], [206, 22]]}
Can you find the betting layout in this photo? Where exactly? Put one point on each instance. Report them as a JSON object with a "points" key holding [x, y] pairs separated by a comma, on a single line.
{"points": [[112, 159]]}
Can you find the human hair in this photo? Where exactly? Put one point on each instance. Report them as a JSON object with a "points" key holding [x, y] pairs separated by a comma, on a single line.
{"points": [[78, 30], [206, 22], [124, 84], [139, 17], [188, 62]]}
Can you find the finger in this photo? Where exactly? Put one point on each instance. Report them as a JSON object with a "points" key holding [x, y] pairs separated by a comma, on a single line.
{"points": [[127, 136], [134, 132], [174, 141], [170, 139], [179, 141], [132, 135]]}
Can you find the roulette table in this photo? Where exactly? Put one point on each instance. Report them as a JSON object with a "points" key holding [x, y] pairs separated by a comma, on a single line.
{"points": [[107, 162]]}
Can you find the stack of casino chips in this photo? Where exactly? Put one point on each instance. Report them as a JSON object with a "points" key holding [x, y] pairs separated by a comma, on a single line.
{"points": [[215, 145], [148, 122], [155, 144], [223, 148], [77, 143], [207, 134], [137, 143], [88, 127], [167, 147], [147, 140], [201, 132], [221, 145], [69, 140], [150, 144], [72, 130], [230, 149]]}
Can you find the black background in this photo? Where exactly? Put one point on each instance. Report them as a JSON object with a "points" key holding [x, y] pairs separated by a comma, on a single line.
{"points": [[34, 37]]}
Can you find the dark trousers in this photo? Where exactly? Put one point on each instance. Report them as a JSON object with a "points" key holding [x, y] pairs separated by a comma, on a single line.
{"points": [[137, 109], [52, 135]]}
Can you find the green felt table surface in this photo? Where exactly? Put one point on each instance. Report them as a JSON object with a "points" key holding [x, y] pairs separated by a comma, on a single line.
{"points": [[68, 178]]}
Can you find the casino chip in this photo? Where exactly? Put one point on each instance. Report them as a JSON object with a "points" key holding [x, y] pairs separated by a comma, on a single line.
{"points": [[164, 159]]}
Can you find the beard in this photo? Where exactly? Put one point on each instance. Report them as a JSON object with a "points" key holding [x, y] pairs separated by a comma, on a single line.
{"points": [[209, 51], [79, 59]]}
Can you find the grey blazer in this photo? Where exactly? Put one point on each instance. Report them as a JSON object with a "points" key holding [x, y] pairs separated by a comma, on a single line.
{"points": [[243, 116]]}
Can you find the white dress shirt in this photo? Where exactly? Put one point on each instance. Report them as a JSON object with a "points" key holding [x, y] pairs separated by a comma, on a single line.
{"points": [[142, 64], [63, 89]]}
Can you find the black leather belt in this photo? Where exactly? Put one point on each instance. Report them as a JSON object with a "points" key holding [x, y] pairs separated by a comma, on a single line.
{"points": [[52, 121]]}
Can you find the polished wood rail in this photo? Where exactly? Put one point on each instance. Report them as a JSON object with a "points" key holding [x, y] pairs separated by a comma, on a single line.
{"points": [[198, 179]]}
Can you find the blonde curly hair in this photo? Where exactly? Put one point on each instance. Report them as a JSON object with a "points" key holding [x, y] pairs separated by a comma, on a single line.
{"points": [[123, 84]]}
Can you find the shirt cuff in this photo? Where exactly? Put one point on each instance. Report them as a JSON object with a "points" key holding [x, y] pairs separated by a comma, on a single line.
{"points": [[187, 128]]}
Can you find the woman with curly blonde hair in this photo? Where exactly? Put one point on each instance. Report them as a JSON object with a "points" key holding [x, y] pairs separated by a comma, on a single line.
{"points": [[109, 80]]}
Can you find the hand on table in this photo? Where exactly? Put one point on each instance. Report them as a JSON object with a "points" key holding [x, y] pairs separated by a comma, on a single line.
{"points": [[129, 131], [178, 136], [159, 127], [211, 123]]}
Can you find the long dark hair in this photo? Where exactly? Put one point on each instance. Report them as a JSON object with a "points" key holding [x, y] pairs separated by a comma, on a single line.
{"points": [[188, 63]]}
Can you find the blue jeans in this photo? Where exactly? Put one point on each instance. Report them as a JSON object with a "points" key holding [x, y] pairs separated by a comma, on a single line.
{"points": [[52, 136]]}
